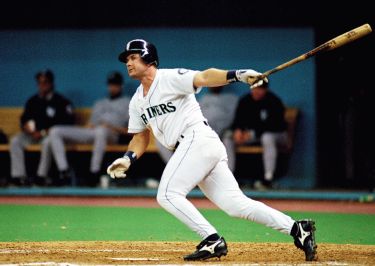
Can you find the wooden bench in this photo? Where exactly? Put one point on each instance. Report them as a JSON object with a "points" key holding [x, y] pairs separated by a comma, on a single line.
{"points": [[10, 117]]}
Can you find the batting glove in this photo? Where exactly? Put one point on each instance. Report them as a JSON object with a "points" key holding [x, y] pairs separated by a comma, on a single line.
{"points": [[259, 83], [247, 76], [118, 168]]}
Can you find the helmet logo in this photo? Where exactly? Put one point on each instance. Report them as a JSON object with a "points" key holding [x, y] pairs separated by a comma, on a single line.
{"points": [[144, 50]]}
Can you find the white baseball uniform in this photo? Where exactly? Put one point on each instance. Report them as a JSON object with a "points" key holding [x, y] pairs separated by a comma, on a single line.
{"points": [[172, 112]]}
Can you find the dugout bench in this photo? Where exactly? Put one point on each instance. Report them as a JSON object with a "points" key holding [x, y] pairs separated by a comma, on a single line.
{"points": [[10, 121]]}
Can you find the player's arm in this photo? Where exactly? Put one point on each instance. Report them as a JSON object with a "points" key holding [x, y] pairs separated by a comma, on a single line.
{"points": [[139, 143], [214, 77], [137, 146]]}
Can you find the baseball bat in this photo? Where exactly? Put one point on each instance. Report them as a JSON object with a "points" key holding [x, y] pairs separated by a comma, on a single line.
{"points": [[334, 43]]}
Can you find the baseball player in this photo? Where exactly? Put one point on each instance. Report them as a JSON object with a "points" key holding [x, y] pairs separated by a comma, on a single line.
{"points": [[165, 104], [107, 121]]}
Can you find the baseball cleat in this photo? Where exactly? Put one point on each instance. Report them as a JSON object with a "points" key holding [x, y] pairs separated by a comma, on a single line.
{"points": [[209, 249], [305, 238]]}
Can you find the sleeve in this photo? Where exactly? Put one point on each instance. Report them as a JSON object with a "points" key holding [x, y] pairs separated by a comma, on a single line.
{"points": [[181, 80], [27, 113], [137, 121]]}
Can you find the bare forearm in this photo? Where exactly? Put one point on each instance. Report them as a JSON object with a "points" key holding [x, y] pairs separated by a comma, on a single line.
{"points": [[214, 77], [139, 143], [211, 77]]}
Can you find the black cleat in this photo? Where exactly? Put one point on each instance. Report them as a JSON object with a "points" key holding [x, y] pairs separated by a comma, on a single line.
{"points": [[305, 238], [209, 249]]}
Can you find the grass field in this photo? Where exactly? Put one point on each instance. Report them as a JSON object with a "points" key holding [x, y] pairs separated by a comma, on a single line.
{"points": [[91, 234], [68, 223]]}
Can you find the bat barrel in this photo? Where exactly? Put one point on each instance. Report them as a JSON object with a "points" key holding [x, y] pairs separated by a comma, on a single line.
{"points": [[334, 43], [349, 36]]}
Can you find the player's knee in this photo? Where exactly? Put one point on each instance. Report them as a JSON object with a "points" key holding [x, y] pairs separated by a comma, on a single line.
{"points": [[234, 212], [46, 141], [267, 139], [101, 132], [55, 131], [161, 199], [166, 197], [15, 141]]}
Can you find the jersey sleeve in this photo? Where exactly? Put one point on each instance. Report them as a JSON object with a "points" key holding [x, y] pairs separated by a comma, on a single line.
{"points": [[136, 124], [181, 80]]}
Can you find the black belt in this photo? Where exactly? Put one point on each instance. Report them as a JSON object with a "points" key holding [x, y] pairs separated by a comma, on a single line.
{"points": [[182, 136]]}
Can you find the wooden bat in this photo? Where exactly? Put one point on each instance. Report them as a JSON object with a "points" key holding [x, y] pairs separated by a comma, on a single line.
{"points": [[334, 43]]}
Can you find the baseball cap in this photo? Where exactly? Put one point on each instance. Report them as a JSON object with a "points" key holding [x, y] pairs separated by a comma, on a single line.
{"points": [[45, 73], [115, 78]]}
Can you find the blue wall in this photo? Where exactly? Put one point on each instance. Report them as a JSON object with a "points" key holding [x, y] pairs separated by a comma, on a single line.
{"points": [[81, 60]]}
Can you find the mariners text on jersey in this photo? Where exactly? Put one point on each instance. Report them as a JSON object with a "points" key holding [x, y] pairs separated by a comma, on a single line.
{"points": [[168, 108], [157, 110]]}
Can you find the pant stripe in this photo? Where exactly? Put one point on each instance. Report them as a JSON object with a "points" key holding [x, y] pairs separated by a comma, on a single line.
{"points": [[174, 172]]}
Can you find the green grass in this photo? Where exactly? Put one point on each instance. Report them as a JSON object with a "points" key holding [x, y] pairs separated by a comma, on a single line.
{"points": [[65, 223]]}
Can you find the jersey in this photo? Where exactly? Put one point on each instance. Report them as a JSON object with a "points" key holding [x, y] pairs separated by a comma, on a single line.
{"points": [[169, 107]]}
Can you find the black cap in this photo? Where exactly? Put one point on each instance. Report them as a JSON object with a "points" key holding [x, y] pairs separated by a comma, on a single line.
{"points": [[115, 78], [45, 73]]}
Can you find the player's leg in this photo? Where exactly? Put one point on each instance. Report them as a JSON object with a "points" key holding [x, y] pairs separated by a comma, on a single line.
{"points": [[222, 189], [193, 160], [268, 141], [185, 169], [17, 158], [59, 135], [230, 146], [103, 135], [271, 142], [44, 162], [164, 153]]}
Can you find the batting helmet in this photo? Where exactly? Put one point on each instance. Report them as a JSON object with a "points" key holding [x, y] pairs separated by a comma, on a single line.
{"points": [[147, 51]]}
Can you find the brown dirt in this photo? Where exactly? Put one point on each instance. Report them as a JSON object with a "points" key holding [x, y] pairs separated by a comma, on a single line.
{"points": [[136, 253]]}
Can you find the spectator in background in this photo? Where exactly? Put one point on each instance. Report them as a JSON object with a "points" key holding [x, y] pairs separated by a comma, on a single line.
{"points": [[260, 118], [108, 120], [219, 109], [42, 111]]}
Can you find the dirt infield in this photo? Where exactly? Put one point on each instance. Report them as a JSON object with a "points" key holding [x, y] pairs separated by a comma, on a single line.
{"points": [[162, 253]]}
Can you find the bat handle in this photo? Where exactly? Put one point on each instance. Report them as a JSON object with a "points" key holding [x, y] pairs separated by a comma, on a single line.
{"points": [[258, 78]]}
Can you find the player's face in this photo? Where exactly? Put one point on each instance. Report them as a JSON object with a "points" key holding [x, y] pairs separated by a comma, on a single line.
{"points": [[44, 85], [114, 89], [258, 93], [135, 65]]}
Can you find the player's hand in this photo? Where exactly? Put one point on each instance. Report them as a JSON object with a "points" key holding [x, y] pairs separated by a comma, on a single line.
{"points": [[251, 77], [118, 168], [259, 83]]}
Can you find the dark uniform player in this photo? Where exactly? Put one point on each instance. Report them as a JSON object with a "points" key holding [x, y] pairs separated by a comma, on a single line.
{"points": [[42, 111], [260, 118]]}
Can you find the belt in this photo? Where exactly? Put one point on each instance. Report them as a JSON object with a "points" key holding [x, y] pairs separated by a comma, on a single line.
{"points": [[182, 136]]}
